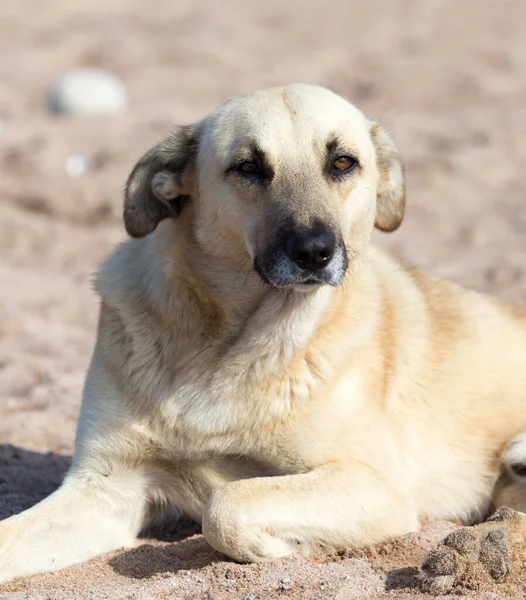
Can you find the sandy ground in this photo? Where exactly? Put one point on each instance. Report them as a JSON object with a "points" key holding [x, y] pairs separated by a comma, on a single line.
{"points": [[447, 77]]}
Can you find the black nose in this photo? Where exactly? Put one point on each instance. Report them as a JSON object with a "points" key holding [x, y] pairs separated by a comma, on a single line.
{"points": [[311, 250]]}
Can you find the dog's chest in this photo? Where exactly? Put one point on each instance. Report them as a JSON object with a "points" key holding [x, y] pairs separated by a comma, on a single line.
{"points": [[239, 393], [215, 405], [221, 412]]}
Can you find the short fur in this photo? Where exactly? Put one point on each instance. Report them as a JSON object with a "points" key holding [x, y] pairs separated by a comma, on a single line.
{"points": [[283, 415]]}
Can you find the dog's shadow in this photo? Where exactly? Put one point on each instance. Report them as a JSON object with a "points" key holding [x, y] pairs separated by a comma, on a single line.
{"points": [[26, 477], [149, 560], [407, 578], [189, 552], [184, 549]]}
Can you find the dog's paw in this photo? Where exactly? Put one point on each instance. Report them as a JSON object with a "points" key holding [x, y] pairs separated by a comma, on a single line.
{"points": [[490, 551]]}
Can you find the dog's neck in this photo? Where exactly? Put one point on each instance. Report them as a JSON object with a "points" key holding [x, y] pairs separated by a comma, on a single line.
{"points": [[228, 307]]}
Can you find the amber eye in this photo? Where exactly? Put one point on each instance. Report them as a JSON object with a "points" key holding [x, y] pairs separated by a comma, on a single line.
{"points": [[248, 167], [344, 163]]}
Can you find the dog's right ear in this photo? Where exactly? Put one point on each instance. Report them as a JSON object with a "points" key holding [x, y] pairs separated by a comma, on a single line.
{"points": [[390, 200], [160, 182]]}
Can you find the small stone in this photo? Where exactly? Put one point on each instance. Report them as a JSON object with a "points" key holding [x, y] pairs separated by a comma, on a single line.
{"points": [[286, 580], [249, 597], [87, 92], [76, 166]]}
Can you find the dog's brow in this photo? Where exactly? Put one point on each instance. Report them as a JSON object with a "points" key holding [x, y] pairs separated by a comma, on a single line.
{"points": [[335, 145], [260, 154], [333, 142], [251, 150]]}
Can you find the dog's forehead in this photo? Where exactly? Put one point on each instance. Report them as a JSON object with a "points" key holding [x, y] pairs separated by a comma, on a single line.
{"points": [[295, 117]]}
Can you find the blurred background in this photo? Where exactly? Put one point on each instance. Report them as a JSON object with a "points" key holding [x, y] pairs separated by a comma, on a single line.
{"points": [[447, 77]]}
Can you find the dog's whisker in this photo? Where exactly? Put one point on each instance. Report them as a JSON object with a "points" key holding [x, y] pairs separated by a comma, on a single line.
{"points": [[243, 265]]}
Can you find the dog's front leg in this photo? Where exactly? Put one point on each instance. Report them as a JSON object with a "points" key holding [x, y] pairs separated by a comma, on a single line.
{"points": [[102, 503], [89, 514], [333, 507]]}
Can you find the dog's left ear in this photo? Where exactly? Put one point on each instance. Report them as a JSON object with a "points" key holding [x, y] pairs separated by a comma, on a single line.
{"points": [[390, 195], [160, 182]]}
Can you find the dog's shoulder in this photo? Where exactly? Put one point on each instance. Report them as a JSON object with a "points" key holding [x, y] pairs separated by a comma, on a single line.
{"points": [[133, 276], [130, 339], [121, 273]]}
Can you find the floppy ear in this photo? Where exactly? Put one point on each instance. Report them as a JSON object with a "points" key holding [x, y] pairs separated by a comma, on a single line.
{"points": [[159, 182], [390, 195]]}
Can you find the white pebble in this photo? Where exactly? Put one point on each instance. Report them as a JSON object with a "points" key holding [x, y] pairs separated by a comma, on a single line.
{"points": [[87, 92], [76, 166]]}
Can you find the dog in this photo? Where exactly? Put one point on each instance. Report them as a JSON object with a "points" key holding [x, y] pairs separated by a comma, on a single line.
{"points": [[262, 368]]}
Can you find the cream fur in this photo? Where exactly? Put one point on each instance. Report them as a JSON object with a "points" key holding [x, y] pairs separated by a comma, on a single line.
{"points": [[283, 418]]}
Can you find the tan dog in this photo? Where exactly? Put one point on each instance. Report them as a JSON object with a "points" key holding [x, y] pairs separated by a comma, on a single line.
{"points": [[262, 368]]}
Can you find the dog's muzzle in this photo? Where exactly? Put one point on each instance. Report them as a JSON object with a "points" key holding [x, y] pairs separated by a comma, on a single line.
{"points": [[303, 257]]}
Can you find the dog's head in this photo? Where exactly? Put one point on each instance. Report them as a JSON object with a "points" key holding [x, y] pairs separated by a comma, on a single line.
{"points": [[294, 177]]}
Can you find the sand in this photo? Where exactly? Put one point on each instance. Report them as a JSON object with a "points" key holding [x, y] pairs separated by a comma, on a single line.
{"points": [[448, 78]]}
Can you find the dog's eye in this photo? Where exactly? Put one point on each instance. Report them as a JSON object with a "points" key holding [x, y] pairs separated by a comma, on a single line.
{"points": [[344, 163], [248, 168]]}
